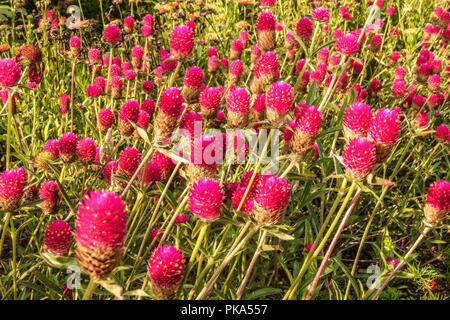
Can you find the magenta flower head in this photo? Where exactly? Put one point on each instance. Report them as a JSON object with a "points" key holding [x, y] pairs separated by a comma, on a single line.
{"points": [[323, 55], [259, 106], [128, 112], [265, 26], [205, 199], [320, 14], [255, 53], [129, 160], [236, 49], [235, 71], [93, 91], [12, 185], [147, 86], [57, 238], [279, 102], [375, 42], [236, 199], [437, 206], [165, 269], [189, 123], [271, 199], [383, 131], [128, 24], [267, 3], [67, 147], [213, 64], [442, 133], [112, 34], [52, 146], [238, 107], [94, 55], [243, 36], [10, 72], [50, 191], [193, 81], [359, 158], [356, 121], [99, 232], [86, 150], [181, 42], [305, 28], [210, 98], [171, 102], [143, 121], [109, 170], [165, 164], [75, 42], [105, 120], [347, 44], [306, 128], [152, 173]]}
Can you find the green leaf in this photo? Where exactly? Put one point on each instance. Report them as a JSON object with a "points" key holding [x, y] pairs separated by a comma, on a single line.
{"points": [[141, 132], [58, 262], [281, 235], [262, 293], [113, 288]]}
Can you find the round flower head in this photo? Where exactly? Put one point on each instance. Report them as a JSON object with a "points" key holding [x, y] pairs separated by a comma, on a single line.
{"points": [[359, 157], [190, 123], [320, 14], [347, 44], [171, 102], [194, 77], [52, 146], [205, 199], [279, 102], [152, 173], [236, 199], [236, 49], [10, 72], [105, 119], [266, 67], [93, 91], [112, 34], [99, 231], [148, 20], [75, 42], [146, 30], [129, 160], [100, 82], [238, 101], [67, 147], [356, 120], [243, 36], [384, 127], [86, 149], [437, 205], [165, 164], [267, 3], [434, 81], [259, 105], [181, 42], [210, 99], [270, 201], [309, 120], [12, 185], [147, 86], [304, 28], [143, 120], [128, 23], [266, 21], [375, 42], [129, 75], [245, 181], [212, 51], [236, 68], [129, 111], [50, 191], [442, 133], [57, 238], [165, 269]]}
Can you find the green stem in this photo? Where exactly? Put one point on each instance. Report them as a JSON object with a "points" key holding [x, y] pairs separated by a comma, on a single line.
{"points": [[8, 137], [90, 289], [5, 228], [14, 257]]}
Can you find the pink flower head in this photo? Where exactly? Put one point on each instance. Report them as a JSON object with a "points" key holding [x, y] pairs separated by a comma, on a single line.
{"points": [[255, 50], [106, 118], [236, 68], [394, 56], [194, 77], [86, 149], [148, 105], [10, 72], [238, 101], [189, 123], [147, 86], [359, 157], [337, 34], [245, 181], [236, 199], [146, 30], [212, 51], [210, 97], [267, 3], [398, 88], [357, 119], [309, 120], [129, 111], [434, 81], [237, 45], [93, 91], [181, 218], [68, 143], [116, 82], [12, 185], [165, 163], [137, 52], [129, 75], [436, 66], [347, 44], [148, 20], [320, 14], [384, 127], [323, 55], [279, 97], [438, 195], [260, 103], [152, 173], [304, 28], [266, 22], [129, 160], [442, 133], [205, 199], [243, 36], [171, 102], [181, 42], [165, 267], [100, 82], [143, 120], [272, 193], [57, 238], [128, 22], [375, 42], [109, 170], [390, 11], [266, 65], [224, 62], [112, 34], [75, 42], [101, 220], [392, 262]]}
